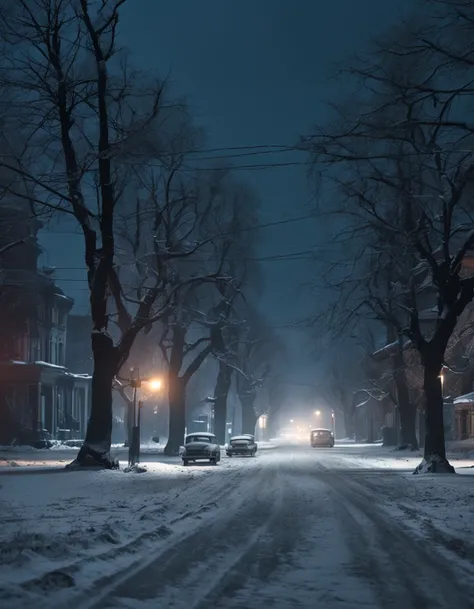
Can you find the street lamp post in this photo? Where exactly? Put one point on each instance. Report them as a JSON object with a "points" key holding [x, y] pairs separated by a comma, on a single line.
{"points": [[136, 382], [333, 418], [138, 442], [134, 448]]}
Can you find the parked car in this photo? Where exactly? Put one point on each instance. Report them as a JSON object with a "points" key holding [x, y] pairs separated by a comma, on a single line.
{"points": [[200, 446], [322, 437], [241, 445]]}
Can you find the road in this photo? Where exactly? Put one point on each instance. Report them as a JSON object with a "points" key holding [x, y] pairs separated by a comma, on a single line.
{"points": [[294, 527]]}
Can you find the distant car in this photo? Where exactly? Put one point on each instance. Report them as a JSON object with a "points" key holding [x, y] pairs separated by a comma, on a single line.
{"points": [[200, 446], [322, 437], [241, 445]]}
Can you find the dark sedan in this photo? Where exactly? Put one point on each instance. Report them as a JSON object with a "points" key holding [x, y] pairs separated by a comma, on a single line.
{"points": [[241, 446], [322, 437], [200, 446]]}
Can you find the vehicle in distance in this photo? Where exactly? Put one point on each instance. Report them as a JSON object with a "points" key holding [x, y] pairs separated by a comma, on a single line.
{"points": [[322, 437], [200, 446], [243, 445]]}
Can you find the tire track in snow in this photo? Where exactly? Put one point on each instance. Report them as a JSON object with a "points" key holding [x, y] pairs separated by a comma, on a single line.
{"points": [[90, 569], [419, 520], [177, 578], [150, 572], [264, 554], [403, 571]]}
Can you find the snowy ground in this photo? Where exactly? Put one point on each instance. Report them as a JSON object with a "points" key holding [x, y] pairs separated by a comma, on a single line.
{"points": [[60, 455], [295, 527]]}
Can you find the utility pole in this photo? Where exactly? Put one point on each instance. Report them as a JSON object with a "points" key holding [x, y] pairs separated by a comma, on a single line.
{"points": [[134, 448], [140, 406]]}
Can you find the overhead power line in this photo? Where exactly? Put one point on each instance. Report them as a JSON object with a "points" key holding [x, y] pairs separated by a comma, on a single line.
{"points": [[305, 254], [240, 230]]}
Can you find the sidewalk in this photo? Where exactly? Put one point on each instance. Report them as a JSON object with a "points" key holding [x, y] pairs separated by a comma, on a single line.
{"points": [[15, 460], [466, 447]]}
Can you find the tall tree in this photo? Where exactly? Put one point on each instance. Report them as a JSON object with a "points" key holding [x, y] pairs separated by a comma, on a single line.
{"points": [[237, 222], [257, 350], [404, 147], [86, 116]]}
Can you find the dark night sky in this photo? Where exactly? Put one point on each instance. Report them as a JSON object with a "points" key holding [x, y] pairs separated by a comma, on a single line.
{"points": [[255, 72]]}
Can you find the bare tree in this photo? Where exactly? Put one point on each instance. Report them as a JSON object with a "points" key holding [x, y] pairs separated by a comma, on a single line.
{"points": [[182, 224], [340, 381], [237, 217], [86, 117], [404, 147], [258, 346]]}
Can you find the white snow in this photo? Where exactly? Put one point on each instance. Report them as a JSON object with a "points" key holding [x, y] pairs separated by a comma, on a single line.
{"points": [[88, 524], [48, 365], [468, 398], [446, 501], [63, 534]]}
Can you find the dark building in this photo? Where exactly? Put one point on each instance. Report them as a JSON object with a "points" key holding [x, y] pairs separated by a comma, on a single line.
{"points": [[79, 352], [37, 392]]}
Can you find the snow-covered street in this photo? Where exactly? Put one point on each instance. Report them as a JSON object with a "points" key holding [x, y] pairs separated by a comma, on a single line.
{"points": [[294, 527]]}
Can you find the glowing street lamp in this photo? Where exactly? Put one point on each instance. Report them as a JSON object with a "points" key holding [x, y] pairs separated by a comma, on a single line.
{"points": [[136, 382], [155, 384], [318, 413]]}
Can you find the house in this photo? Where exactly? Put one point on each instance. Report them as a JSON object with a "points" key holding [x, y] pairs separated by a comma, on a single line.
{"points": [[36, 389], [37, 392], [464, 416], [79, 351]]}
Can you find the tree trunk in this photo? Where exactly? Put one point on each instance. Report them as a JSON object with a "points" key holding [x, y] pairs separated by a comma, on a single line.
{"points": [[408, 437], [221, 392], [249, 416], [349, 423], [128, 420], [407, 410], [177, 420], [95, 452], [435, 450]]}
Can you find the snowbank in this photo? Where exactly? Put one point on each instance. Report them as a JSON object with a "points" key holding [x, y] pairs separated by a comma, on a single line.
{"points": [[67, 530], [441, 507], [60, 455]]}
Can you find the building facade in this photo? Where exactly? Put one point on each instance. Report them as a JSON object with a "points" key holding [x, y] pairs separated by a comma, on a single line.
{"points": [[39, 397]]}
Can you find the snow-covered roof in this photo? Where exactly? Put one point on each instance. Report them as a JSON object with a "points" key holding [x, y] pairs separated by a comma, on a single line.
{"points": [[389, 348], [200, 433], [84, 377], [48, 365], [78, 376], [467, 398], [36, 363], [243, 437], [428, 314], [320, 429]]}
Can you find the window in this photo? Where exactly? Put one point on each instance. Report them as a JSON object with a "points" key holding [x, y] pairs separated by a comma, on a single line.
{"points": [[61, 317], [34, 349], [50, 354], [60, 360], [54, 315]]}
